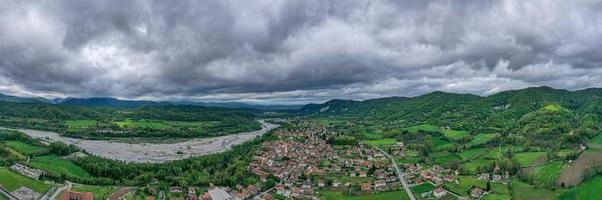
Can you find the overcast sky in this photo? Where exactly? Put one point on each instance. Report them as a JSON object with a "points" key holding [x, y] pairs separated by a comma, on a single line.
{"points": [[295, 51]]}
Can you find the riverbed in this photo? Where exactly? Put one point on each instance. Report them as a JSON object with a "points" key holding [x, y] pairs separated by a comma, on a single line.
{"points": [[152, 152]]}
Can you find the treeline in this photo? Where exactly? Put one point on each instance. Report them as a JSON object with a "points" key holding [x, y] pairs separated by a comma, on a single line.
{"points": [[53, 117], [227, 168]]}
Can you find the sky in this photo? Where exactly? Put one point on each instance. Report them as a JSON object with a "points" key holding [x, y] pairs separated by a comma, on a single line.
{"points": [[295, 51]]}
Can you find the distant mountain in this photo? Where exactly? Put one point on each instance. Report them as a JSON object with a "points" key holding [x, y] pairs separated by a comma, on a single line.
{"points": [[118, 103], [16, 99]]}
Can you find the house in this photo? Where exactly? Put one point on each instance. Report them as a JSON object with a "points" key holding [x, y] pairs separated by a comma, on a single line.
{"points": [[439, 192], [484, 176], [280, 189], [217, 193], [296, 192], [175, 189], [321, 183], [70, 195], [380, 185], [476, 192], [366, 187], [448, 178], [363, 174], [336, 184], [497, 178], [306, 184]]}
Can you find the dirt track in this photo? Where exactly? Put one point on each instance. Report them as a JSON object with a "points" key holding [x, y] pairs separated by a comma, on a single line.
{"points": [[154, 153]]}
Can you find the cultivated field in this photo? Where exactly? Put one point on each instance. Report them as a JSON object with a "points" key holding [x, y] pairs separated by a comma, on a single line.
{"points": [[573, 175], [25, 148], [338, 195], [589, 190], [56, 164], [13, 181]]}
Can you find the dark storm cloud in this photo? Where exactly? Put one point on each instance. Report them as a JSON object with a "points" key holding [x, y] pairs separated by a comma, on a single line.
{"points": [[299, 50]]}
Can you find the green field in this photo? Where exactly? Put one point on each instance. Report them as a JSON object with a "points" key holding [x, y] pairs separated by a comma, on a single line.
{"points": [[408, 160], [422, 188], [596, 142], [481, 139], [339, 195], [385, 141], [524, 191], [589, 190], [472, 153], [100, 192], [465, 184], [2, 197], [423, 127], [440, 144], [455, 135], [80, 124], [527, 158], [444, 157], [142, 124], [56, 164], [472, 166], [496, 197], [546, 175], [13, 181], [499, 152], [25, 148]]}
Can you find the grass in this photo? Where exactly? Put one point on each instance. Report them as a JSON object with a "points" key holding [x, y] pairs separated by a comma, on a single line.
{"points": [[25, 148], [2, 197], [455, 135], [56, 164], [527, 158], [142, 124], [408, 160], [472, 166], [422, 188], [524, 191], [13, 181], [481, 139], [385, 141], [100, 192], [440, 144], [465, 184], [589, 190], [423, 127], [499, 152], [80, 124], [546, 175], [339, 195], [444, 159], [496, 197], [472, 153]]}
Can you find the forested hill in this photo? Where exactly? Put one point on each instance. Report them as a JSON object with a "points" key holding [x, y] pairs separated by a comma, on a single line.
{"points": [[145, 121], [495, 113]]}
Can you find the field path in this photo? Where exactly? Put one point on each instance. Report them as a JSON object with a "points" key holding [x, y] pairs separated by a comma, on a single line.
{"points": [[151, 152]]}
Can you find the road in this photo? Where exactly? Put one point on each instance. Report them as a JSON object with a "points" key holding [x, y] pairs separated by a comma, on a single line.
{"points": [[7, 194], [58, 191], [399, 175]]}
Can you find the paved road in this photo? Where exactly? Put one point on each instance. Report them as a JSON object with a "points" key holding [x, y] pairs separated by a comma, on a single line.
{"points": [[58, 191], [7, 194], [399, 175]]}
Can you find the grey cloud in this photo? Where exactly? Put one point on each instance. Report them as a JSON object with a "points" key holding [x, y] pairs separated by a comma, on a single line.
{"points": [[284, 51]]}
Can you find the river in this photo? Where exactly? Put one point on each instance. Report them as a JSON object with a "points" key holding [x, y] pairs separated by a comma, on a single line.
{"points": [[151, 152]]}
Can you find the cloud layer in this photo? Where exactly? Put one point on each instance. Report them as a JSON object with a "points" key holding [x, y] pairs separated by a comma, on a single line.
{"points": [[295, 50]]}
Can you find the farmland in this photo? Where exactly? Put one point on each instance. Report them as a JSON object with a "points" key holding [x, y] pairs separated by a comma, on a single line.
{"points": [[100, 192], [422, 128], [24, 148], [481, 139], [524, 191], [573, 174], [528, 158], [545, 175], [384, 141], [589, 190], [13, 181], [338, 195], [56, 164], [455, 135]]}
